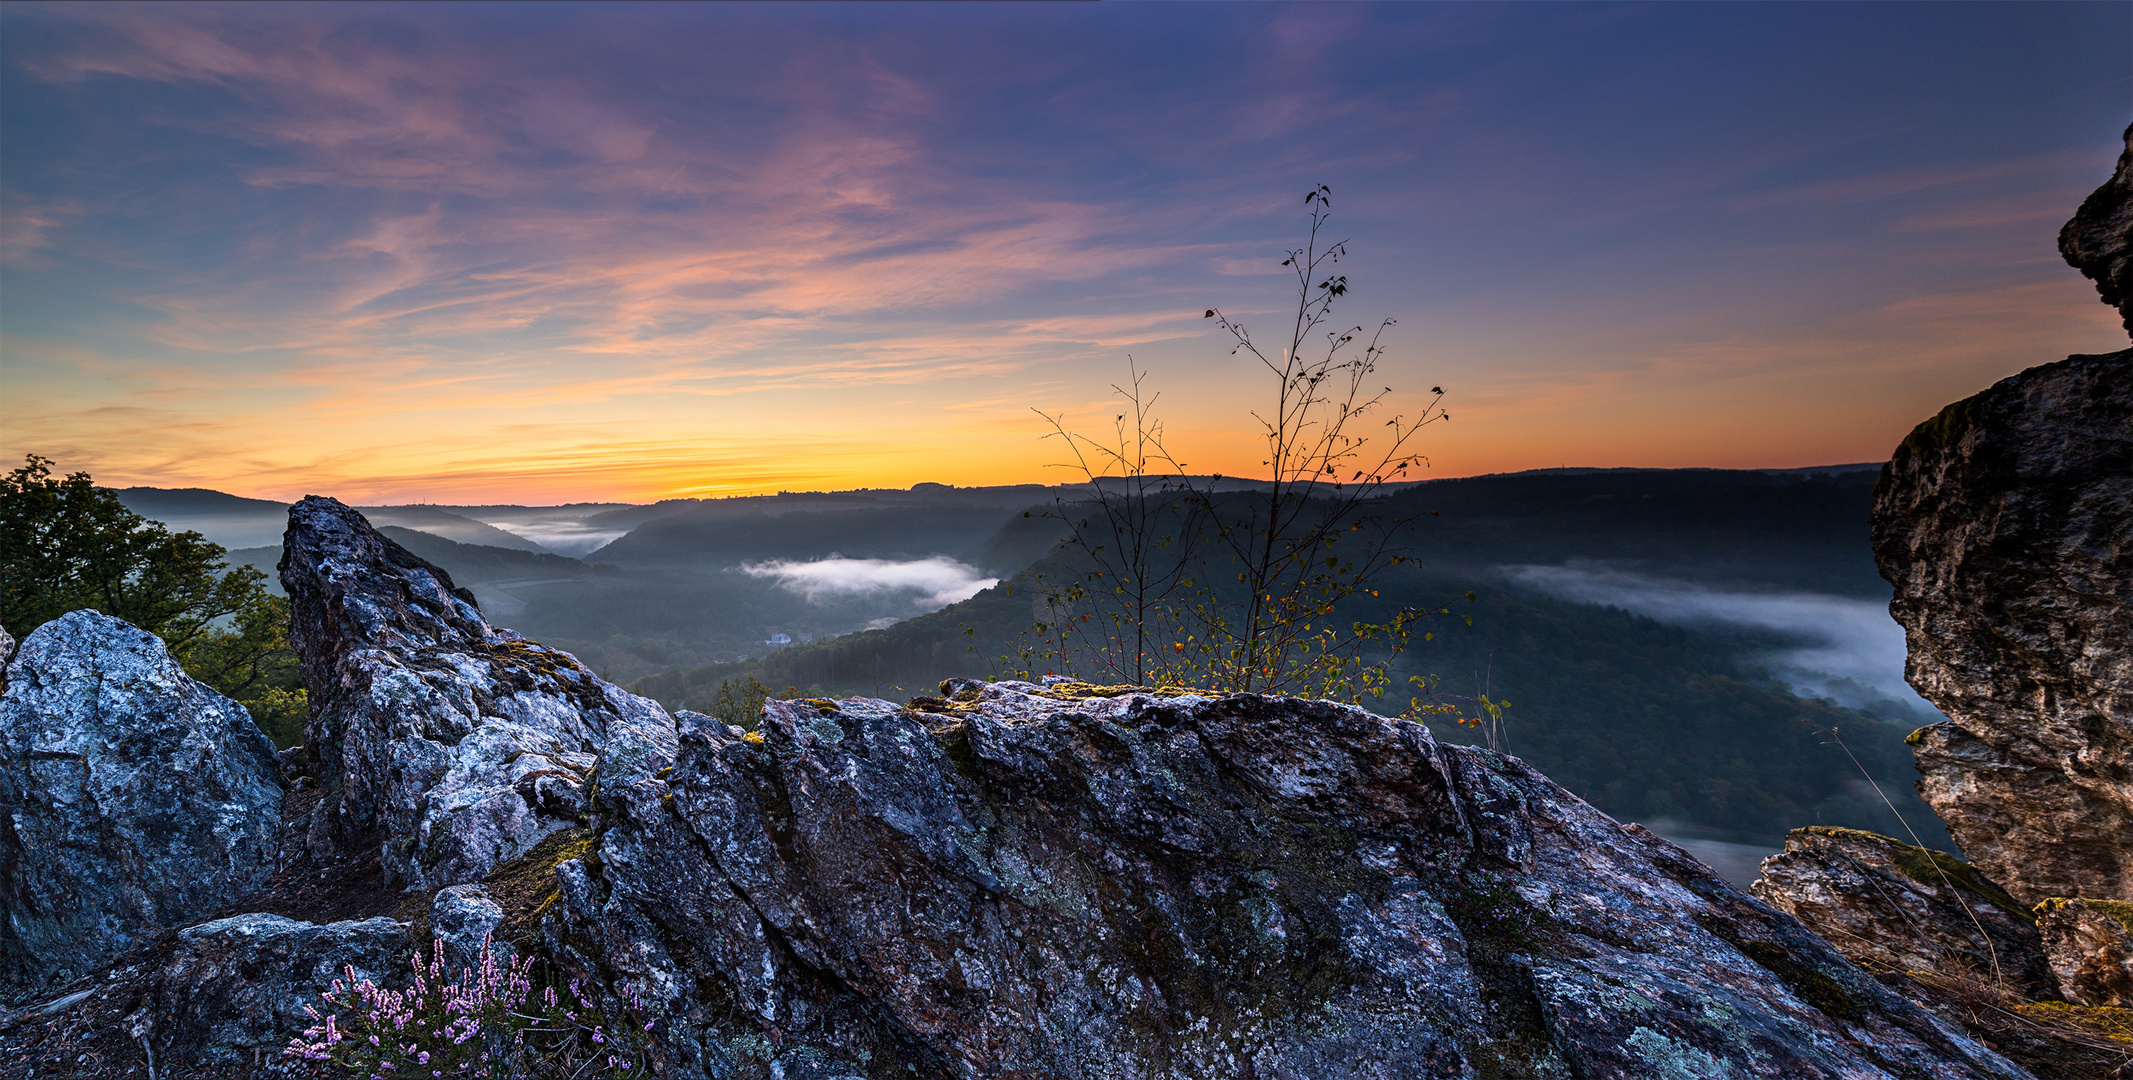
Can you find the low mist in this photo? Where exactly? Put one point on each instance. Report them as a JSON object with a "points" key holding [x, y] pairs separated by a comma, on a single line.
{"points": [[932, 582], [1849, 650], [562, 536]]}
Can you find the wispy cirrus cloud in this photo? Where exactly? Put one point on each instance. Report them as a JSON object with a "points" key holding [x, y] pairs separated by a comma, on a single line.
{"points": [[494, 204]]}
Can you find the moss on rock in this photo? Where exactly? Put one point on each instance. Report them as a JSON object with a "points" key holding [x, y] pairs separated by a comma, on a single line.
{"points": [[1933, 868]]}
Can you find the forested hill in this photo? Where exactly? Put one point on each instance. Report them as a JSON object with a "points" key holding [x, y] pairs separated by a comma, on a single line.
{"points": [[1647, 719], [1650, 719]]}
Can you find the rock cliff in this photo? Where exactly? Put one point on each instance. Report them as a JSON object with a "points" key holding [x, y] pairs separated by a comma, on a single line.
{"points": [[137, 800], [445, 743], [2006, 525], [1054, 881], [2098, 240]]}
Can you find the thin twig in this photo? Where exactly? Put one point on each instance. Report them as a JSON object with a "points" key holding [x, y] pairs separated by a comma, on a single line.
{"points": [[1990, 949]]}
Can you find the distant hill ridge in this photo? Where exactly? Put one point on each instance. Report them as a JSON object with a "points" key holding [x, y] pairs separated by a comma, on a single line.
{"points": [[1800, 528]]}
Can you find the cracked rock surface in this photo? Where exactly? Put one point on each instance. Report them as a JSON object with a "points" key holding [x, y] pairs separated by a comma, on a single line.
{"points": [[445, 743], [2006, 525], [1057, 880], [135, 799]]}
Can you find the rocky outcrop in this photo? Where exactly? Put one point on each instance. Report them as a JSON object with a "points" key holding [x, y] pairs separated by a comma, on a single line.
{"points": [[2090, 949], [448, 744], [1896, 907], [2006, 525], [137, 799], [1041, 881], [233, 991], [2098, 240]]}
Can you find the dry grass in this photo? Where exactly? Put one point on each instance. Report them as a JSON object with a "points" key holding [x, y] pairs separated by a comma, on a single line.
{"points": [[2052, 1039]]}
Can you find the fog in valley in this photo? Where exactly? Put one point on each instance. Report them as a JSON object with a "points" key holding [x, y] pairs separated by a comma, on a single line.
{"points": [[572, 536], [1844, 648], [930, 583]]}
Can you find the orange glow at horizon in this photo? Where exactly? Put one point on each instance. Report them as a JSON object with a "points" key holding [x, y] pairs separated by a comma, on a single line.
{"points": [[444, 255]]}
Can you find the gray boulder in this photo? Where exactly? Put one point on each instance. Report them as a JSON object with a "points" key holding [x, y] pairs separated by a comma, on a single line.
{"points": [[1024, 880], [1897, 907], [233, 991], [2006, 525], [447, 744], [136, 799]]}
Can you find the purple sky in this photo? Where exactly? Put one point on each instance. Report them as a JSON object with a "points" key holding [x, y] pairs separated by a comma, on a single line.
{"points": [[545, 252]]}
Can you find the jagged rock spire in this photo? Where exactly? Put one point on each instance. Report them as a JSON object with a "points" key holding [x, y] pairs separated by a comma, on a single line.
{"points": [[448, 744]]}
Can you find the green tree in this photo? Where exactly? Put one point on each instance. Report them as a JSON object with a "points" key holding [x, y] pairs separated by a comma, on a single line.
{"points": [[740, 701], [67, 544], [1240, 586]]}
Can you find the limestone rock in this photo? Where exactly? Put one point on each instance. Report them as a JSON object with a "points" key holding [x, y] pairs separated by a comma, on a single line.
{"points": [[446, 743], [2006, 525], [137, 799], [1893, 906], [2098, 240], [2090, 950], [461, 917], [233, 990], [1043, 881]]}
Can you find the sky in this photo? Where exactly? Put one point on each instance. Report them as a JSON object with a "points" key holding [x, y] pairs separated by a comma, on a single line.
{"points": [[543, 253]]}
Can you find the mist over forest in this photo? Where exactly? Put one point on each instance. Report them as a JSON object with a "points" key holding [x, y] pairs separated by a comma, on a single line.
{"points": [[1681, 647]]}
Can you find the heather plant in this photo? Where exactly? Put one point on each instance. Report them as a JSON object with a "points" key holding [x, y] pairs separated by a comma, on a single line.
{"points": [[493, 1022]]}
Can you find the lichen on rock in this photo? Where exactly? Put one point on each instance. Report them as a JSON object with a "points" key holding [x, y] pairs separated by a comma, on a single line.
{"points": [[1136, 885], [233, 991]]}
